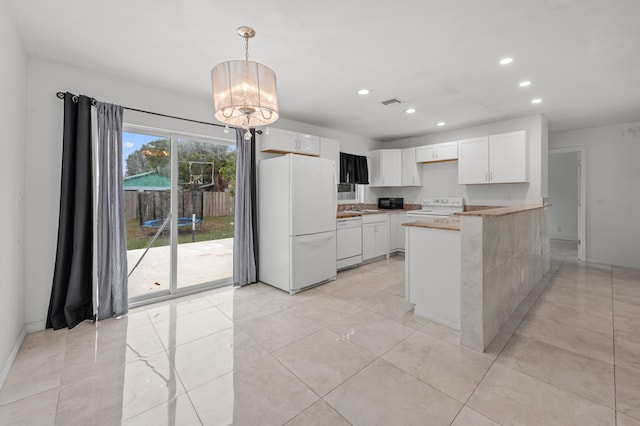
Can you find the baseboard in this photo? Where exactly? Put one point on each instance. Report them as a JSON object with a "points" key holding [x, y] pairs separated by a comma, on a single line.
{"points": [[12, 356], [32, 327]]}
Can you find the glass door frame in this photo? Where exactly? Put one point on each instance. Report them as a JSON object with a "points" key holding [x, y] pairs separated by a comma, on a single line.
{"points": [[174, 291]]}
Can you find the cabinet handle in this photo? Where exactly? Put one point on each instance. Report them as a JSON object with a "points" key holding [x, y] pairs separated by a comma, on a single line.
{"points": [[436, 154], [486, 176]]}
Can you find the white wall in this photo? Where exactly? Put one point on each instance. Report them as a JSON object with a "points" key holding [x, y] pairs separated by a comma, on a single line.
{"points": [[612, 193], [563, 195], [44, 150], [441, 179], [13, 110]]}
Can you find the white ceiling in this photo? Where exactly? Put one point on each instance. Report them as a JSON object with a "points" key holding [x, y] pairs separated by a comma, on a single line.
{"points": [[441, 57]]}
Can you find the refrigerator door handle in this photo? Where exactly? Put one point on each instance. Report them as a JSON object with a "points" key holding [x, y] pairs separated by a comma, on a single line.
{"points": [[310, 239], [335, 189]]}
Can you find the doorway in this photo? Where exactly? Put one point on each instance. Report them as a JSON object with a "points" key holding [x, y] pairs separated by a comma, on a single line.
{"points": [[567, 197], [179, 213]]}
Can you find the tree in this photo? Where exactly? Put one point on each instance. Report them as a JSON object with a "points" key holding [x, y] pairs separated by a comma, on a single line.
{"points": [[155, 157]]}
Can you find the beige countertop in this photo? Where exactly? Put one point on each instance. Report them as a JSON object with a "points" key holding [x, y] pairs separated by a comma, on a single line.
{"points": [[342, 214], [502, 211], [446, 223]]}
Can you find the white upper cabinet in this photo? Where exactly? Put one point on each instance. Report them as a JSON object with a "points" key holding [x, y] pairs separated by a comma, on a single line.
{"points": [[508, 157], [473, 161], [386, 167], [410, 170], [493, 159], [437, 152], [284, 141]]}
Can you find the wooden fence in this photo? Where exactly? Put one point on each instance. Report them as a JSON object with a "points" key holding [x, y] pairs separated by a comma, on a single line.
{"points": [[213, 204]]}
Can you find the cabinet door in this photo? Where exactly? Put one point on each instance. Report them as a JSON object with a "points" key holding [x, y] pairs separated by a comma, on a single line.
{"points": [[410, 168], [308, 144], [375, 168], [447, 151], [278, 141], [396, 231], [369, 241], [382, 239], [473, 161], [391, 165], [508, 158], [386, 167], [425, 154]]}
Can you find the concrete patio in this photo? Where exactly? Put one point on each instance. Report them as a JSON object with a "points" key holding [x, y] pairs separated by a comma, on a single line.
{"points": [[198, 263]]}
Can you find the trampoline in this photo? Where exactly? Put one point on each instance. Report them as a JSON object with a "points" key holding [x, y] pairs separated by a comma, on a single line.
{"points": [[182, 221]]}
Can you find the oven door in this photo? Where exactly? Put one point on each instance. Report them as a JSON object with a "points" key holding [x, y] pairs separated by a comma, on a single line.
{"points": [[417, 215]]}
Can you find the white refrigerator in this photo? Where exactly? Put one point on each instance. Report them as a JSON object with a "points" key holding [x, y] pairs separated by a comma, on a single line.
{"points": [[296, 221]]}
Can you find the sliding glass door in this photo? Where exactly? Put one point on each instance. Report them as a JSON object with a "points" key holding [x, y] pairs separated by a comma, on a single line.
{"points": [[179, 210], [206, 174]]}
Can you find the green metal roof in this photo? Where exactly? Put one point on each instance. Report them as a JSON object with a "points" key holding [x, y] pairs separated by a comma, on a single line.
{"points": [[146, 181]]}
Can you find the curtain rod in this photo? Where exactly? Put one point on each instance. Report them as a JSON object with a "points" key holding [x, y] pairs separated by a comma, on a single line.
{"points": [[60, 95]]}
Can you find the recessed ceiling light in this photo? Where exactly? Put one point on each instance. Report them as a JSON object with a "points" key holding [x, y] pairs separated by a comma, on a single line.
{"points": [[363, 92], [536, 101], [440, 123], [410, 110], [506, 61], [524, 83]]}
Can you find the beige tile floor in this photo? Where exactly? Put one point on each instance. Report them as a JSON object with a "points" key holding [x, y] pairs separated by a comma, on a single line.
{"points": [[348, 352]]}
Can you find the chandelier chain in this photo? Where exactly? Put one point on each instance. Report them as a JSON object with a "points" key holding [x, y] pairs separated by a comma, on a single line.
{"points": [[246, 48]]}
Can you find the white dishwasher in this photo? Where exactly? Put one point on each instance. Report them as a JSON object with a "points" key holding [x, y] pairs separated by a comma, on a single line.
{"points": [[349, 242]]}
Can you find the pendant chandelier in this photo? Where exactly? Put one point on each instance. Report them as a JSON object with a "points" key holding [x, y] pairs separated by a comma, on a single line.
{"points": [[244, 92]]}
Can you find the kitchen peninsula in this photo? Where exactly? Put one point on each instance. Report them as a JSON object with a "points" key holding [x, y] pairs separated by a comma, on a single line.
{"points": [[476, 268]]}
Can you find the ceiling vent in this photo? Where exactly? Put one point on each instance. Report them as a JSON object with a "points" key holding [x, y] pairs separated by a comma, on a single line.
{"points": [[391, 102]]}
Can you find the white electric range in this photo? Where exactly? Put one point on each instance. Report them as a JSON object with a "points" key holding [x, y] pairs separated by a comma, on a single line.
{"points": [[433, 208]]}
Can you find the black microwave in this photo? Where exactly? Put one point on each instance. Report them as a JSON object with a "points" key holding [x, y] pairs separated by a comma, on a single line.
{"points": [[390, 203]]}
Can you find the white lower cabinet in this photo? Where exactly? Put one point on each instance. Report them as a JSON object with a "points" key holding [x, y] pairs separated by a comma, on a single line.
{"points": [[396, 231], [432, 271], [375, 236]]}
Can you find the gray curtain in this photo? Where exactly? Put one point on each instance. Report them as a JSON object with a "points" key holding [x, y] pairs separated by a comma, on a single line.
{"points": [[245, 256], [111, 237]]}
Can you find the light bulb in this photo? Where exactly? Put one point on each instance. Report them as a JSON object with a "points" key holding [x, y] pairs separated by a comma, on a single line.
{"points": [[267, 130], [227, 129], [247, 135]]}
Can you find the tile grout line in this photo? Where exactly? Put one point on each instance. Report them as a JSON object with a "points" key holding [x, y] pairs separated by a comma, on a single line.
{"points": [[326, 328], [493, 361]]}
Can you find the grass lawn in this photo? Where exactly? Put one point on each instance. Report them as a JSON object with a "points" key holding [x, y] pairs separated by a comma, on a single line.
{"points": [[211, 228]]}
